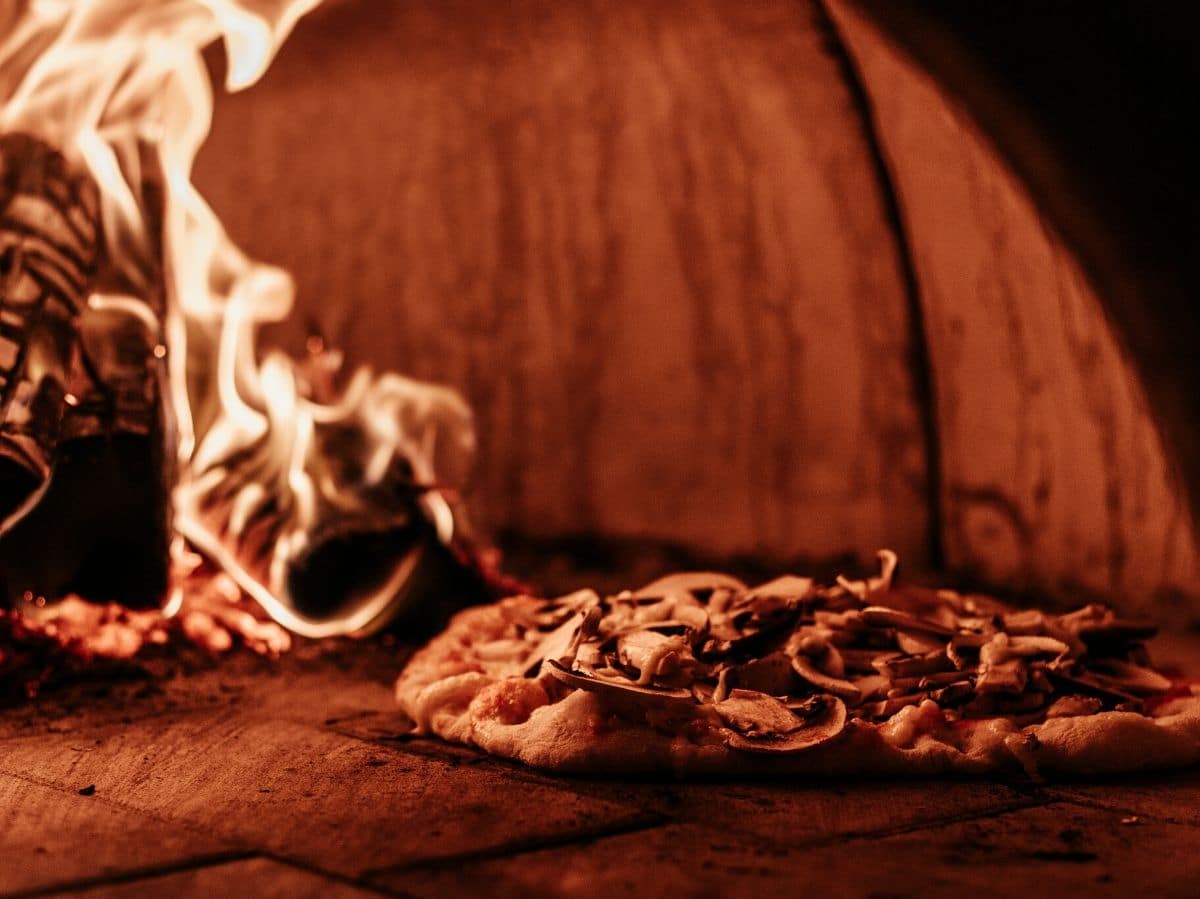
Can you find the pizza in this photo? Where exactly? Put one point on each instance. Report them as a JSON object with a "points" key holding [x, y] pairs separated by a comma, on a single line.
{"points": [[700, 674]]}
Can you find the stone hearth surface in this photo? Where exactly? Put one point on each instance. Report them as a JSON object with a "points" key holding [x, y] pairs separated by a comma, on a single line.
{"points": [[242, 776]]}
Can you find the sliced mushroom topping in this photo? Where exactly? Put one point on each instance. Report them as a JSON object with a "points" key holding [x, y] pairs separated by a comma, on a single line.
{"points": [[1087, 684], [963, 649], [693, 616], [1097, 623], [788, 587], [928, 681], [1128, 677], [756, 610], [864, 589], [757, 714], [890, 706], [888, 563], [881, 616], [787, 655], [772, 674], [845, 620], [1116, 630], [961, 661], [862, 661], [1001, 665], [645, 614], [702, 691], [984, 627], [558, 644], [750, 638], [612, 666], [1028, 621], [1029, 646], [638, 647], [690, 582], [915, 643], [807, 707], [620, 691], [970, 640], [822, 681], [719, 601], [860, 590], [652, 653], [832, 662], [809, 640], [555, 611], [914, 666], [724, 685], [1008, 676], [872, 687], [589, 655], [953, 694], [825, 719], [975, 605], [670, 627]]}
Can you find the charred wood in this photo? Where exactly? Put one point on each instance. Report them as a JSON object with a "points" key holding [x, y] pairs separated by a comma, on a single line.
{"points": [[85, 465], [48, 247]]}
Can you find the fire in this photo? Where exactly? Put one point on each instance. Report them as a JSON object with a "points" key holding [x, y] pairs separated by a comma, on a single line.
{"points": [[272, 459]]}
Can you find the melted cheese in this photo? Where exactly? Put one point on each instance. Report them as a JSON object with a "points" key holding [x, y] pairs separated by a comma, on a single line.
{"points": [[903, 728]]}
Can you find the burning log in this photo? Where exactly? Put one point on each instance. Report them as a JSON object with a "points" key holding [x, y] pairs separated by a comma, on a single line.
{"points": [[328, 508], [48, 249], [84, 472]]}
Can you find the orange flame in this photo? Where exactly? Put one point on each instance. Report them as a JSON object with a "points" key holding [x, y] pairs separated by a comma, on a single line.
{"points": [[104, 79]]}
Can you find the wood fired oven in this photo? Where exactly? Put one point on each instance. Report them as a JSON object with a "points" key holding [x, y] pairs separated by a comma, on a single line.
{"points": [[781, 280], [765, 285]]}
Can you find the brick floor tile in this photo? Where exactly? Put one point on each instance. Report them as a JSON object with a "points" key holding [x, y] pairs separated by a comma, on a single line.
{"points": [[1034, 851], [259, 877], [310, 794], [54, 835]]}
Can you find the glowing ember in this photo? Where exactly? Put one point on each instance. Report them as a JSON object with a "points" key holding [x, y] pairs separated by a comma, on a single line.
{"points": [[278, 469]]}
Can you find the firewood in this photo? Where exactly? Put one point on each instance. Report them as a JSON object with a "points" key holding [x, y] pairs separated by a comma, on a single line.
{"points": [[48, 247], [350, 556], [85, 469]]}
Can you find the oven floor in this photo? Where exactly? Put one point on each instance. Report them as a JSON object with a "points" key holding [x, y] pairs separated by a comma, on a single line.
{"points": [[247, 777]]}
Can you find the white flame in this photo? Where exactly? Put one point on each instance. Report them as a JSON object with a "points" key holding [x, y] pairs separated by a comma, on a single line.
{"points": [[102, 80]]}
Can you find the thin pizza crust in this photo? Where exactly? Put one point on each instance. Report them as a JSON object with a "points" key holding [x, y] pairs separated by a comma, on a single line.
{"points": [[472, 685]]}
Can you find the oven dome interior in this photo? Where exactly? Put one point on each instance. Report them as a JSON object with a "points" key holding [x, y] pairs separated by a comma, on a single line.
{"points": [[745, 279]]}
